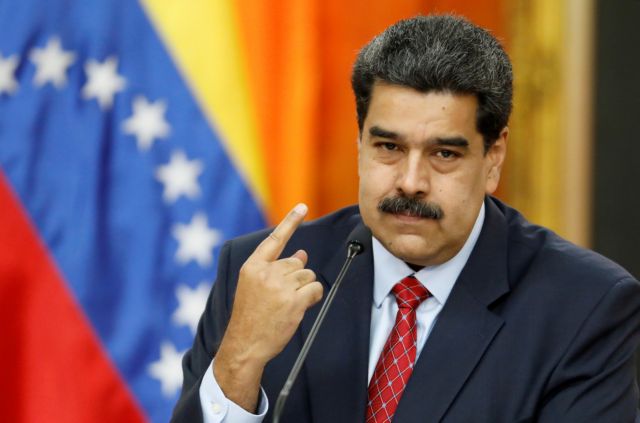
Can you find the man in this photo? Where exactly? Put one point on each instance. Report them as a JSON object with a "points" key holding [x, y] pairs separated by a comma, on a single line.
{"points": [[458, 310]]}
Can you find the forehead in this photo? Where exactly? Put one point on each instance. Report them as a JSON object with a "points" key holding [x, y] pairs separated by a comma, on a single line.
{"points": [[409, 113]]}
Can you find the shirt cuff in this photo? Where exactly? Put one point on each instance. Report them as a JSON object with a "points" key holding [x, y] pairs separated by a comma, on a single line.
{"points": [[216, 408]]}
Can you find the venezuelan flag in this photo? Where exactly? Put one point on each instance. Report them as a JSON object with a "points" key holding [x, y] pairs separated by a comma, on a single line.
{"points": [[119, 184]]}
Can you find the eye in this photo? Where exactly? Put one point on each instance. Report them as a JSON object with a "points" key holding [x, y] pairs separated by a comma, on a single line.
{"points": [[447, 154], [388, 146]]}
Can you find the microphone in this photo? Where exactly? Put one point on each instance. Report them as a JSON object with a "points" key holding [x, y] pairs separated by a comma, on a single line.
{"points": [[354, 248]]}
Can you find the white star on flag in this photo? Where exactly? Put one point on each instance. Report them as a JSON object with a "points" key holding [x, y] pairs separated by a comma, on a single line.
{"points": [[180, 177], [103, 81], [168, 369], [196, 240], [191, 304], [147, 122], [8, 65], [51, 63]]}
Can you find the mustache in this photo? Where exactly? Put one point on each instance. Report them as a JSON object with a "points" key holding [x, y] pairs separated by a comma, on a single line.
{"points": [[411, 206]]}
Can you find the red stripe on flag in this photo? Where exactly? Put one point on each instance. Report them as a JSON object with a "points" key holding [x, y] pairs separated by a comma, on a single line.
{"points": [[52, 366]]}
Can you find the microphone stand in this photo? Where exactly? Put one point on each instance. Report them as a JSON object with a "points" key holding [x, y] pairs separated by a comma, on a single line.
{"points": [[354, 248]]}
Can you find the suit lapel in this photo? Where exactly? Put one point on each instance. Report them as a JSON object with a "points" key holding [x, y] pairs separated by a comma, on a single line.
{"points": [[336, 366], [464, 329]]}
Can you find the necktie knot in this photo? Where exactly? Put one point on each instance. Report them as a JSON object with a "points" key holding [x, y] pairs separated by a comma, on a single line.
{"points": [[410, 293]]}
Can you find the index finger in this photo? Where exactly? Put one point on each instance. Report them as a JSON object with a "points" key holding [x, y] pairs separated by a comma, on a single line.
{"points": [[271, 247]]}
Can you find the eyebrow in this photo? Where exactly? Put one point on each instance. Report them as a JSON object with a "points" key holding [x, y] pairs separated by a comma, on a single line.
{"points": [[376, 131], [451, 142]]}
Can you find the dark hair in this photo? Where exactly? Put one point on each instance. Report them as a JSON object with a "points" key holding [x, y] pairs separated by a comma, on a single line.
{"points": [[439, 53]]}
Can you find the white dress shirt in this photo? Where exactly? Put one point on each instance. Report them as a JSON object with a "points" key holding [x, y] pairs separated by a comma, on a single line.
{"points": [[387, 271]]}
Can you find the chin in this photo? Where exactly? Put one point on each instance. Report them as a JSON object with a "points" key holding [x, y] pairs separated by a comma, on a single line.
{"points": [[411, 249], [416, 260]]}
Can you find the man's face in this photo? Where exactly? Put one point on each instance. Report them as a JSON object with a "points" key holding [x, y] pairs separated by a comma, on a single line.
{"points": [[423, 171]]}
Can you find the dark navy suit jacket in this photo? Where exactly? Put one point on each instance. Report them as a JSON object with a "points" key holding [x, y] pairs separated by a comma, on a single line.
{"points": [[535, 330]]}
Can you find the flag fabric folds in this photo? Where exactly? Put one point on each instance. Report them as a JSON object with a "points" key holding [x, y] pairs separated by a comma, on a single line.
{"points": [[116, 194]]}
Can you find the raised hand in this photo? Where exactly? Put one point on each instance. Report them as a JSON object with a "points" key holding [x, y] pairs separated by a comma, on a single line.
{"points": [[271, 299]]}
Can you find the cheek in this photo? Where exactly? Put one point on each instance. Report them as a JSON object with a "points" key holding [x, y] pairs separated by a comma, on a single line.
{"points": [[474, 181], [457, 194], [451, 189], [376, 180], [368, 192]]}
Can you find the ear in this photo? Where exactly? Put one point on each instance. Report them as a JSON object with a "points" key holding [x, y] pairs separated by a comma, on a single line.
{"points": [[494, 160]]}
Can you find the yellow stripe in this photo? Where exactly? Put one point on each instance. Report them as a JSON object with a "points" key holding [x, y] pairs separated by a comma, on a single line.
{"points": [[203, 38]]}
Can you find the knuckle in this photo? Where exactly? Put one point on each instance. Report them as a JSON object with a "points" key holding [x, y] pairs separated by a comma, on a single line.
{"points": [[302, 276], [279, 267], [274, 236], [293, 262], [290, 217], [314, 294], [307, 275], [319, 291], [262, 274], [250, 271]]}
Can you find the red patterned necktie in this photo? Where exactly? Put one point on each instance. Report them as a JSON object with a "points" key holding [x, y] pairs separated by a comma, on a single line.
{"points": [[398, 355]]}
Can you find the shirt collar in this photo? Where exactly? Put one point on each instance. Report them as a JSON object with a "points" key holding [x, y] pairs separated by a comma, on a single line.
{"points": [[438, 279]]}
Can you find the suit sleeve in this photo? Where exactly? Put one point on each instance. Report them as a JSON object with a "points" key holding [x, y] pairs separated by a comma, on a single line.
{"points": [[207, 340], [595, 380]]}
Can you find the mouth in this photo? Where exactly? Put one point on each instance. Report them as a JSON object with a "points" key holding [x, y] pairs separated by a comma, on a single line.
{"points": [[406, 216]]}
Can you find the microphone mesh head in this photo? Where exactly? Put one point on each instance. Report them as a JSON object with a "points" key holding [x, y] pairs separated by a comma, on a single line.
{"points": [[355, 248]]}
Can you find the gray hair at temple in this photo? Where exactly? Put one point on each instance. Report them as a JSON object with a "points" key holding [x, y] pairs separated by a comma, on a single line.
{"points": [[441, 53]]}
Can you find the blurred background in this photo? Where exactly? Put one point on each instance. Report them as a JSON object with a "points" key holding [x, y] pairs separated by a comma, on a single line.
{"points": [[137, 136]]}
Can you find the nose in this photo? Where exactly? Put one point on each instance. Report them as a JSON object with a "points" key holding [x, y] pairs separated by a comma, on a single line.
{"points": [[413, 178]]}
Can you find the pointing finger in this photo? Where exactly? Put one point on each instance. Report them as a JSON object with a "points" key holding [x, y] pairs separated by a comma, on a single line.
{"points": [[271, 247]]}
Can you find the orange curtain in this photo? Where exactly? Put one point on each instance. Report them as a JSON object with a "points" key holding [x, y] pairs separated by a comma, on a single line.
{"points": [[300, 54]]}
